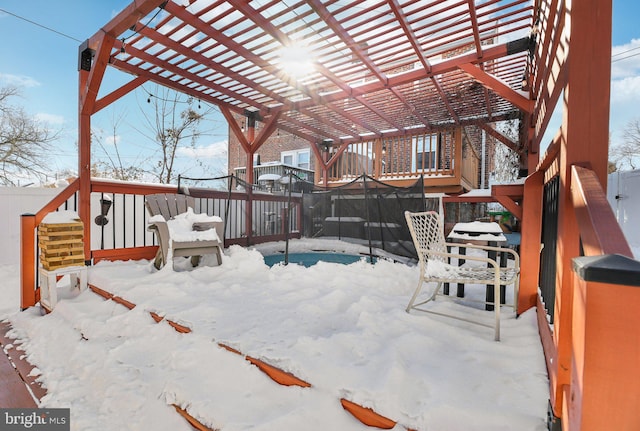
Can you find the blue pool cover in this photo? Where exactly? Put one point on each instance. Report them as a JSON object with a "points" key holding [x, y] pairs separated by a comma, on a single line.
{"points": [[311, 258]]}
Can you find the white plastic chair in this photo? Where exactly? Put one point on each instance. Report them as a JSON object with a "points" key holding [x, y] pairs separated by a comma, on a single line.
{"points": [[169, 205], [428, 237]]}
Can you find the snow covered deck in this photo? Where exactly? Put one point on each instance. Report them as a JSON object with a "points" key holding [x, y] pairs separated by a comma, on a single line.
{"points": [[341, 328]]}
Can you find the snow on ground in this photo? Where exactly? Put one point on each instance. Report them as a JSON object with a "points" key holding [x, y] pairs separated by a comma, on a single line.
{"points": [[341, 328]]}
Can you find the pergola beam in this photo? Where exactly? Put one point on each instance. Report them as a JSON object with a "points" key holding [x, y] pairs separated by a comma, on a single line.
{"points": [[236, 129], [118, 93], [130, 16], [166, 82], [490, 54], [498, 87], [500, 137]]}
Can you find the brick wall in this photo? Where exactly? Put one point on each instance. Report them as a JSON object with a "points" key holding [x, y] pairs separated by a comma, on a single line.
{"points": [[270, 151]]}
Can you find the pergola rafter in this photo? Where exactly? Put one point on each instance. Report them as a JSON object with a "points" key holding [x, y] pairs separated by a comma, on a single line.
{"points": [[367, 60]]}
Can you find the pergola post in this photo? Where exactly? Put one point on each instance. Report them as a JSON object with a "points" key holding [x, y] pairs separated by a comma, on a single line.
{"points": [[585, 135], [93, 60], [530, 241], [84, 174], [28, 261], [84, 146]]}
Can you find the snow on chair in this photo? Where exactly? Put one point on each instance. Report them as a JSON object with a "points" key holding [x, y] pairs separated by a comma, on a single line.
{"points": [[180, 231], [433, 256]]}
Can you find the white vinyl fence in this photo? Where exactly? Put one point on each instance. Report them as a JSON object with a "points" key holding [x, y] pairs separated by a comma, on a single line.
{"points": [[623, 193], [15, 201]]}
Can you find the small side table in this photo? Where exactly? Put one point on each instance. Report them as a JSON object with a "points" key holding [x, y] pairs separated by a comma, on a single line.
{"points": [[480, 233], [49, 282]]}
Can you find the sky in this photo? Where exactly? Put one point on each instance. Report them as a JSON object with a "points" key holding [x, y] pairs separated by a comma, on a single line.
{"points": [[43, 64], [341, 328]]}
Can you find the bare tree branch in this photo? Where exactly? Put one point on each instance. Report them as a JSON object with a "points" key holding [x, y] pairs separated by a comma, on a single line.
{"points": [[24, 141], [173, 124], [627, 153]]}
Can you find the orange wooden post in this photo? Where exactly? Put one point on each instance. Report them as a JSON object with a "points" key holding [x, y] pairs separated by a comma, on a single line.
{"points": [[605, 373], [248, 219], [585, 136], [530, 241], [84, 172], [27, 261]]}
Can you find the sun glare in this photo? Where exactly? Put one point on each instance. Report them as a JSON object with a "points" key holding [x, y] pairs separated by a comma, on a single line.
{"points": [[296, 60]]}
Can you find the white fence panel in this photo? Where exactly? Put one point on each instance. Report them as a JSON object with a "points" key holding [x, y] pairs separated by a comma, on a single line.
{"points": [[623, 193], [15, 201]]}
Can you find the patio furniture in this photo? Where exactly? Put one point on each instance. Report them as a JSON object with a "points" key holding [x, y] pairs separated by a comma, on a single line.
{"points": [[479, 233], [170, 205], [428, 237], [49, 283]]}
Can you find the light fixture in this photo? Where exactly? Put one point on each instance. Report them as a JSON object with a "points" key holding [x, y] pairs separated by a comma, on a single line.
{"points": [[122, 46], [384, 149], [105, 206], [85, 56], [326, 143]]}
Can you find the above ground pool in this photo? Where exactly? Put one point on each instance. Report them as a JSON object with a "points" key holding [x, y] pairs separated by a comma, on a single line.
{"points": [[311, 258]]}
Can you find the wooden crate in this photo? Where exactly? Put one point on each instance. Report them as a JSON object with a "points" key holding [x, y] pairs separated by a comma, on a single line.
{"points": [[61, 244]]}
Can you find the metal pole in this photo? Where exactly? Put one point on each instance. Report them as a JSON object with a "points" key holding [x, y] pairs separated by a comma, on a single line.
{"points": [[286, 229]]}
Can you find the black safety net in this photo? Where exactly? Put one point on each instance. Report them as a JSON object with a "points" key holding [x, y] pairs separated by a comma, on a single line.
{"points": [[367, 212]]}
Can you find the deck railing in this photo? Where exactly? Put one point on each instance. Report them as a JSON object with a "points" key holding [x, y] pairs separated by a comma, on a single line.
{"points": [[278, 169], [125, 236], [430, 155], [588, 321], [549, 240], [603, 347]]}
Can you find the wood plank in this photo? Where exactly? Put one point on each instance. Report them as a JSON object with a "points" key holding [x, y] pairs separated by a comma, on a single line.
{"points": [[13, 391], [600, 232], [61, 226], [50, 266], [22, 368], [53, 239]]}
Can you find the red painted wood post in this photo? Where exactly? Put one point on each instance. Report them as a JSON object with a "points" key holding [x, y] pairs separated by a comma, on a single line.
{"points": [[530, 241], [584, 141], [605, 376], [27, 261]]}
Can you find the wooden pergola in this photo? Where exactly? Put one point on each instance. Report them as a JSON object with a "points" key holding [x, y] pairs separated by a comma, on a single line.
{"points": [[372, 69], [384, 68]]}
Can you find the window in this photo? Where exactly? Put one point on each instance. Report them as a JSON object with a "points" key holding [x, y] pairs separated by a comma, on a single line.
{"points": [[425, 151], [303, 159], [297, 158]]}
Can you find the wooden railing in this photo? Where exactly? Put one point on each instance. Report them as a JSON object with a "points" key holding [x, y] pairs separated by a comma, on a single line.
{"points": [[387, 159], [588, 321], [278, 169], [125, 234], [29, 246], [604, 345], [549, 242]]}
